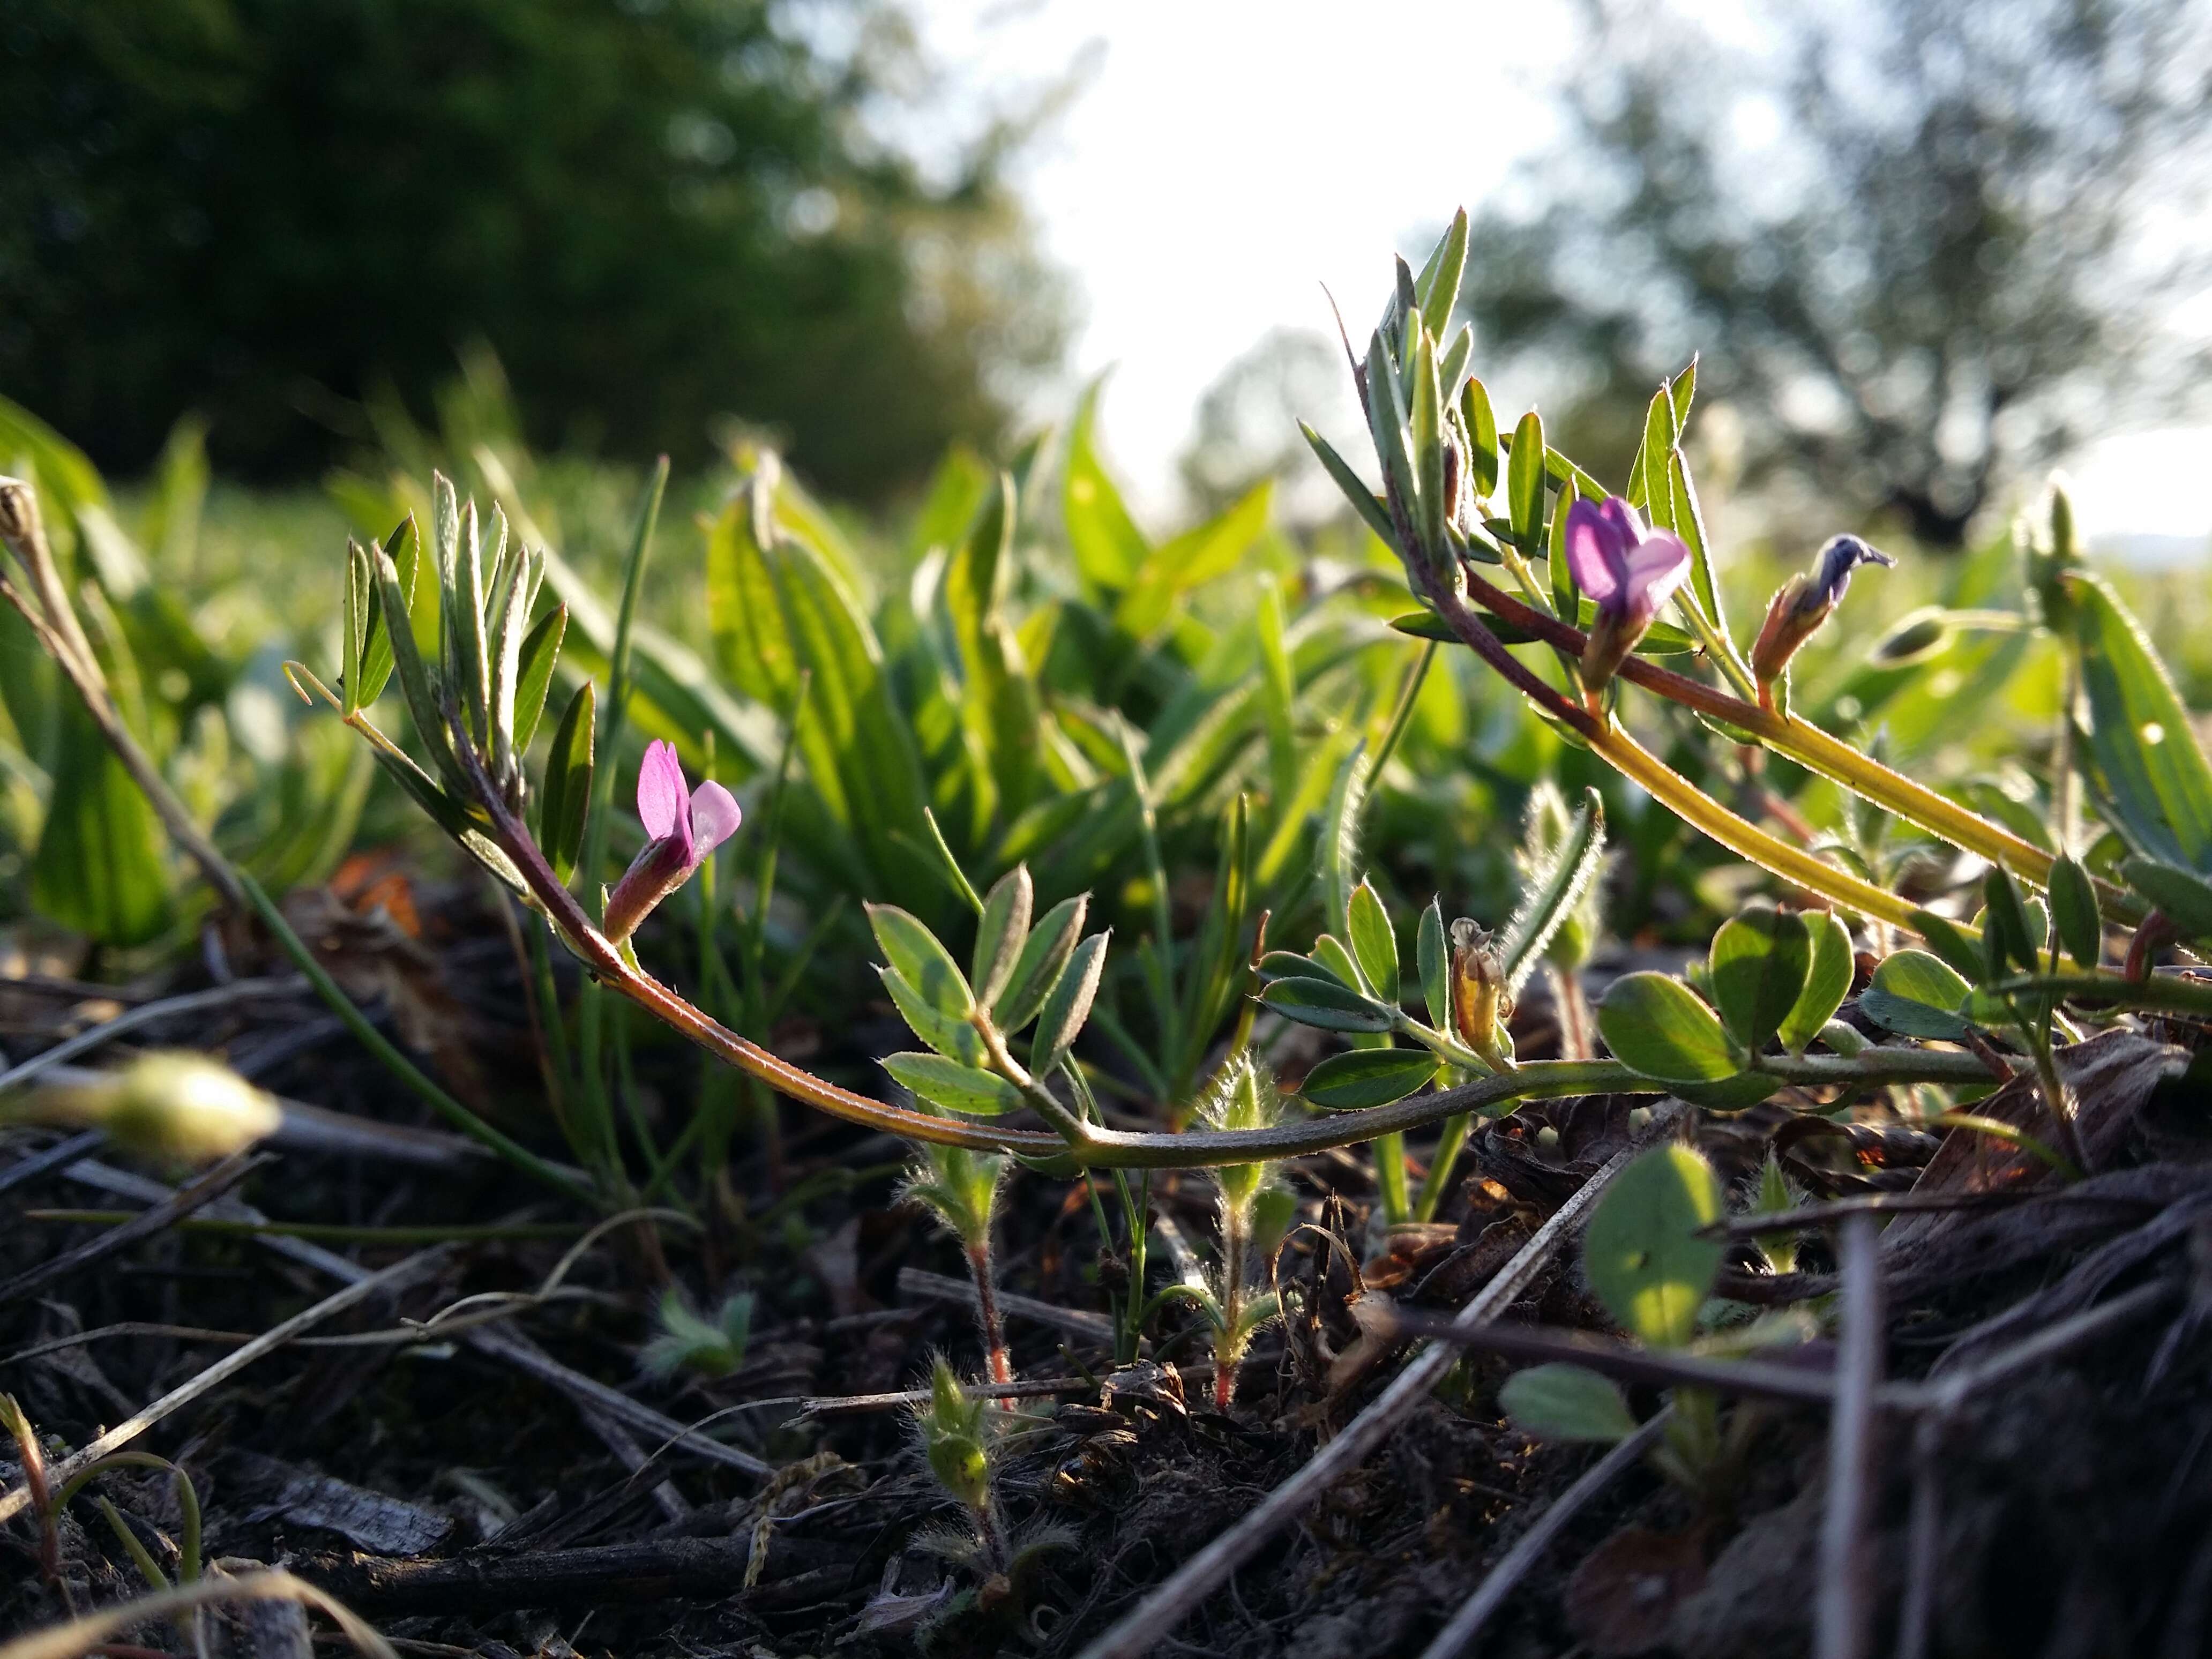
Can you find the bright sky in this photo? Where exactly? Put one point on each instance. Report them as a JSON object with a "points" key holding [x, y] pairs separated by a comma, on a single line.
{"points": [[1223, 159]]}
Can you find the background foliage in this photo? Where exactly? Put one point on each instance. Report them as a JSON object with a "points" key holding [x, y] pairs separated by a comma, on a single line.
{"points": [[655, 213]]}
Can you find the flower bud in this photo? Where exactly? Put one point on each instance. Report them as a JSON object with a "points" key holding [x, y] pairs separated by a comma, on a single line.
{"points": [[952, 1432], [174, 1107], [1802, 604], [1241, 1098], [19, 515], [2050, 554], [1480, 1004], [1627, 571]]}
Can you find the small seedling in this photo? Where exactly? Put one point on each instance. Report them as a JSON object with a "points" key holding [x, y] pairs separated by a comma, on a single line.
{"points": [[711, 1347], [1253, 1213], [960, 1189]]}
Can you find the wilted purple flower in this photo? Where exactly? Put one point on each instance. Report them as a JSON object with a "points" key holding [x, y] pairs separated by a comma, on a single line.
{"points": [[1803, 603], [684, 828], [1629, 571]]}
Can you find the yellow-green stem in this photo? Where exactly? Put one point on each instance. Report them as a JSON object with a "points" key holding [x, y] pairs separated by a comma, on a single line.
{"points": [[1690, 803]]}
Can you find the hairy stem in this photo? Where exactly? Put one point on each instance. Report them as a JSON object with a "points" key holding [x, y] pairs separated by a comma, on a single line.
{"points": [[1228, 1341], [991, 1327], [1575, 1041], [1084, 1146]]}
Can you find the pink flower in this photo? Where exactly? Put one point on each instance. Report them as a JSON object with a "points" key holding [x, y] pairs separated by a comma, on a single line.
{"points": [[1627, 570], [684, 828]]}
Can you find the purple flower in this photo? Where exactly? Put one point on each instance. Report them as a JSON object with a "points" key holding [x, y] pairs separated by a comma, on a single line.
{"points": [[1804, 602], [683, 827], [1627, 570]]}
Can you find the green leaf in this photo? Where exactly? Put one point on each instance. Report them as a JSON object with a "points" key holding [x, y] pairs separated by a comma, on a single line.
{"points": [[1524, 484], [909, 947], [1827, 981], [1656, 1027], [1759, 966], [2008, 936], [999, 707], [468, 660], [1427, 418], [1685, 392], [541, 652], [99, 869], [1731, 1094], [2074, 912], [956, 493], [781, 613], [566, 794], [1374, 943], [1109, 549], [955, 1087], [1387, 421], [514, 591], [1642, 1251], [1339, 850], [1327, 1004], [2158, 779], [1278, 697], [1481, 423], [1214, 972], [1451, 367], [1069, 1006], [1689, 523], [1648, 487], [948, 1034], [1957, 947], [1434, 957], [415, 682], [1289, 965], [1338, 962], [1437, 290], [1566, 1403], [1000, 933], [1368, 1077], [1201, 555], [1043, 959], [943, 864], [1566, 597], [2185, 898], [1376, 516], [1915, 993]]}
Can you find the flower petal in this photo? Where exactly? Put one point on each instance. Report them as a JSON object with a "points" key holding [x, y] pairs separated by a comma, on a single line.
{"points": [[1594, 550], [1627, 523], [1656, 567], [715, 816], [1662, 555], [1831, 571], [660, 792]]}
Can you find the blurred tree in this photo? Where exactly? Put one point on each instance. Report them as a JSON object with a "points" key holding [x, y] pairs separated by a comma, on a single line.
{"points": [[1918, 244], [655, 211], [1246, 429]]}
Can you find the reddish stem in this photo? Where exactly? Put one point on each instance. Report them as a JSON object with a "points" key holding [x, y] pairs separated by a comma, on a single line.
{"points": [[995, 1357]]}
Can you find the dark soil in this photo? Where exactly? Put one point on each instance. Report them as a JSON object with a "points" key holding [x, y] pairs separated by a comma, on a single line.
{"points": [[462, 1506]]}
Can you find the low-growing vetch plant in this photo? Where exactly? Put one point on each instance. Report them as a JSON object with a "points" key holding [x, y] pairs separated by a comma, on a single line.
{"points": [[527, 704]]}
